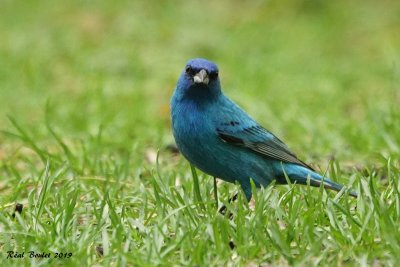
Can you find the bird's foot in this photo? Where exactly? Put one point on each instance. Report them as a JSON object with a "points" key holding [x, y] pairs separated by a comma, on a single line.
{"points": [[224, 209]]}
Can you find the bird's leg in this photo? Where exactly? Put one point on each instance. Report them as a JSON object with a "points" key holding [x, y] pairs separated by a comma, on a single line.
{"points": [[215, 192], [222, 210]]}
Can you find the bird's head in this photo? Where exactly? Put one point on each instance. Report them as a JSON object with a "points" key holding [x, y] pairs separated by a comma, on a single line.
{"points": [[199, 78]]}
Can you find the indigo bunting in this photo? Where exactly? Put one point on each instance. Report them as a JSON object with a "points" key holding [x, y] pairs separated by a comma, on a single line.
{"points": [[222, 140]]}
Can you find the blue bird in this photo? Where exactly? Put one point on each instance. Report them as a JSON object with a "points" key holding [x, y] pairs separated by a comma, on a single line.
{"points": [[222, 140]]}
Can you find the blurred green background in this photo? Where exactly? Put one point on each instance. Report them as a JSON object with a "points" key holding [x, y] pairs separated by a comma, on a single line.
{"points": [[89, 83], [318, 73]]}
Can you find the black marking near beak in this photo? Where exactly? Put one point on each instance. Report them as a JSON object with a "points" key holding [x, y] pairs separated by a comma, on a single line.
{"points": [[201, 77]]}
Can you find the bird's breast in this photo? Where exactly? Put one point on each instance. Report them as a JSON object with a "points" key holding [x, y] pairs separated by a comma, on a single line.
{"points": [[193, 130]]}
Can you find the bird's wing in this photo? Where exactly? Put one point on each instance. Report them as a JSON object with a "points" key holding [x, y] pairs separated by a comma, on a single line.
{"points": [[257, 139]]}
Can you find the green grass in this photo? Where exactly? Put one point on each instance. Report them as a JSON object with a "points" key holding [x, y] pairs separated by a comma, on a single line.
{"points": [[84, 93]]}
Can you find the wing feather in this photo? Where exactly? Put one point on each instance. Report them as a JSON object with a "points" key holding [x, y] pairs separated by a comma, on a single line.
{"points": [[260, 140]]}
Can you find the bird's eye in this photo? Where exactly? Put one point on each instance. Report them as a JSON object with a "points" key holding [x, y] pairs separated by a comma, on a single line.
{"points": [[213, 75], [190, 71]]}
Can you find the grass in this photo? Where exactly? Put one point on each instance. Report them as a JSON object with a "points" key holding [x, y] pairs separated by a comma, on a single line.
{"points": [[85, 141]]}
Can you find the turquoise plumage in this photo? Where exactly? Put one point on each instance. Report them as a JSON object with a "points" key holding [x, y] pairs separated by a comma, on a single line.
{"points": [[221, 139]]}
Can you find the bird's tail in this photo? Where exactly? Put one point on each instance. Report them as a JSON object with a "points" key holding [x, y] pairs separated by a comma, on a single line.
{"points": [[301, 175]]}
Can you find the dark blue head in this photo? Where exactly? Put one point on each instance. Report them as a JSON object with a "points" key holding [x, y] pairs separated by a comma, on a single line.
{"points": [[198, 80]]}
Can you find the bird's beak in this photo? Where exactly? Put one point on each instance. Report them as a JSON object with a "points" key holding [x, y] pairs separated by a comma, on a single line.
{"points": [[201, 77]]}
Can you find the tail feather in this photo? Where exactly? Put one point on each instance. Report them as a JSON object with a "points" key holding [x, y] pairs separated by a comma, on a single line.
{"points": [[302, 175], [328, 184]]}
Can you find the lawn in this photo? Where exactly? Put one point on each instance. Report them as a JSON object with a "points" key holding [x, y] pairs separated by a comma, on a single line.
{"points": [[86, 145]]}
